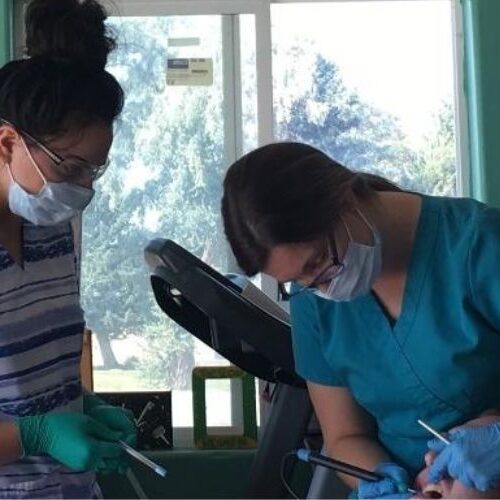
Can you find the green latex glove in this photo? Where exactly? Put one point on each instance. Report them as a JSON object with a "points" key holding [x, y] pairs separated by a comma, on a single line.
{"points": [[115, 417], [90, 401], [118, 419], [76, 440]]}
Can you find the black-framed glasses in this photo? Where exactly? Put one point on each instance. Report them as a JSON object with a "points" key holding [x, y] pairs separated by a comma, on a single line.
{"points": [[74, 168], [332, 270]]}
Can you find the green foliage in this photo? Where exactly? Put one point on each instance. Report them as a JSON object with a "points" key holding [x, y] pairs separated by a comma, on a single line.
{"points": [[436, 168], [169, 355], [336, 120], [175, 136]]}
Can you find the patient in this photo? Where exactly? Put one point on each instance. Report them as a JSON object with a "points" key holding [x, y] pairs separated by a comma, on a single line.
{"points": [[450, 488]]}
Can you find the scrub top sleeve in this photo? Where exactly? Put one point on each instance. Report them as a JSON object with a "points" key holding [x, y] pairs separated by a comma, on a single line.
{"points": [[484, 266], [310, 361]]}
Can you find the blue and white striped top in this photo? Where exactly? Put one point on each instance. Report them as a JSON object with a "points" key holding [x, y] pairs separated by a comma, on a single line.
{"points": [[41, 328]]}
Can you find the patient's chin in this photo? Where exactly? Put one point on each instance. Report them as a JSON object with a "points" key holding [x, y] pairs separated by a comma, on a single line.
{"points": [[458, 490]]}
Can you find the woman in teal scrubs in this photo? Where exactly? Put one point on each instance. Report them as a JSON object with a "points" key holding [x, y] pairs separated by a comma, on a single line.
{"points": [[395, 301]]}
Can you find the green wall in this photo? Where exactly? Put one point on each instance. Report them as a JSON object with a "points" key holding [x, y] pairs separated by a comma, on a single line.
{"points": [[193, 474], [6, 41], [482, 87], [190, 474]]}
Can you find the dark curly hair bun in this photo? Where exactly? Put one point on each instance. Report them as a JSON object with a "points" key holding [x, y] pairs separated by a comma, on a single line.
{"points": [[72, 30]]}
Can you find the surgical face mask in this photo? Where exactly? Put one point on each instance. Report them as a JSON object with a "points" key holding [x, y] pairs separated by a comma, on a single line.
{"points": [[56, 202], [361, 267]]}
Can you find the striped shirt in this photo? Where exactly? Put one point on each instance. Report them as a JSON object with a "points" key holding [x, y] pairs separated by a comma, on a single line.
{"points": [[41, 328]]}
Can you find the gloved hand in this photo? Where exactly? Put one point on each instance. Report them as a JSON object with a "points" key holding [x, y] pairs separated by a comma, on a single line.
{"points": [[76, 440], [472, 457], [394, 484], [120, 420], [117, 419], [90, 401]]}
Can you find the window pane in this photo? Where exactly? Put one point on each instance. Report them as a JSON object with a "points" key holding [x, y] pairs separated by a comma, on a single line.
{"points": [[248, 82], [218, 403], [371, 84], [165, 181]]}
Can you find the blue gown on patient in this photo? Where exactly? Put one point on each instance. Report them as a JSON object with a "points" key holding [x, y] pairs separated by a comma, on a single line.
{"points": [[440, 361]]}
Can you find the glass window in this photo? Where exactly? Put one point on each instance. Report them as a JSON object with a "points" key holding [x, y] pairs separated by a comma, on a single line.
{"points": [[371, 84], [168, 162]]}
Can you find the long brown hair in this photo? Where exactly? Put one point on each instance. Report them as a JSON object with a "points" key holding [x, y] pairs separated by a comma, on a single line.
{"points": [[287, 193]]}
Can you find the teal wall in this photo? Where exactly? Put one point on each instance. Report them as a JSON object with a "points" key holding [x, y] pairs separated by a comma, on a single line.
{"points": [[482, 87], [6, 41]]}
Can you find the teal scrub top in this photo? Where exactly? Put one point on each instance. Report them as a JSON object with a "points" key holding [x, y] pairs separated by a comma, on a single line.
{"points": [[440, 361]]}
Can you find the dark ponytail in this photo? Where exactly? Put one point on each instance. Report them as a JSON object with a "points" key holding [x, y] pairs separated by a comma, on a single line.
{"points": [[287, 193], [63, 82]]}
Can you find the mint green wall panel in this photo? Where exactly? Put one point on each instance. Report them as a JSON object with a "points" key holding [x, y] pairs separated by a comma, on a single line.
{"points": [[482, 85], [5, 31]]}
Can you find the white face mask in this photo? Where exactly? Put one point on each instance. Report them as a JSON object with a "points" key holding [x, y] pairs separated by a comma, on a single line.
{"points": [[362, 265], [56, 202]]}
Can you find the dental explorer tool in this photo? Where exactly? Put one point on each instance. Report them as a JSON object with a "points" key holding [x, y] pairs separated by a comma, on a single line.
{"points": [[433, 431]]}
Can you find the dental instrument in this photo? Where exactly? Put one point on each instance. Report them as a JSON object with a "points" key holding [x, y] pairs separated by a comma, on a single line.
{"points": [[136, 485], [337, 465], [145, 460], [433, 431]]}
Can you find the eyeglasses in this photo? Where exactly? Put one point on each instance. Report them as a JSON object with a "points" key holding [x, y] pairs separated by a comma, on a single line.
{"points": [[331, 271], [73, 169]]}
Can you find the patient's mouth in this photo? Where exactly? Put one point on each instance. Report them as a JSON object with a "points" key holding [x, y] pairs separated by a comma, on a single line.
{"points": [[432, 491]]}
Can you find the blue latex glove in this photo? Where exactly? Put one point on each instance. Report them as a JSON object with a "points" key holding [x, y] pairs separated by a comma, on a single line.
{"points": [[472, 457], [394, 484]]}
